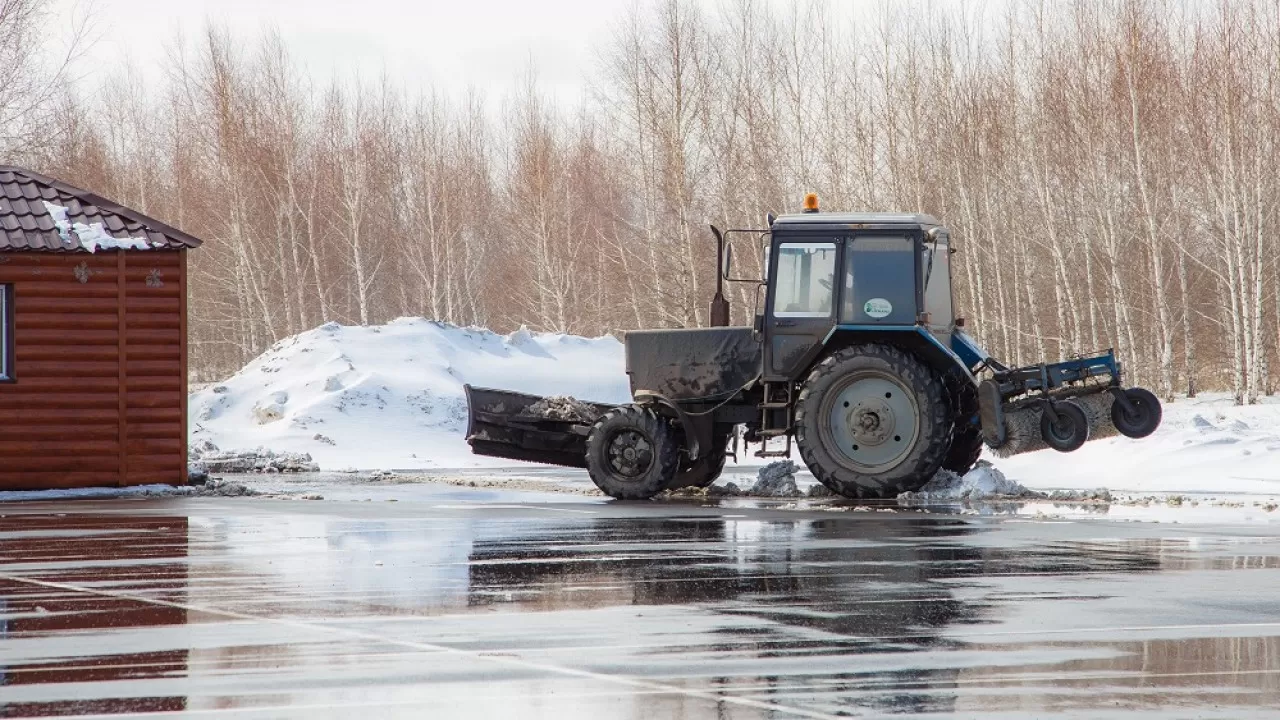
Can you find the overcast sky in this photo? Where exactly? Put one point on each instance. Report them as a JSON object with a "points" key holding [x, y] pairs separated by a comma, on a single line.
{"points": [[452, 44]]}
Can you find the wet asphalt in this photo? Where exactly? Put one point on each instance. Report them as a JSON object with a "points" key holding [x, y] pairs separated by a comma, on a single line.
{"points": [[460, 603]]}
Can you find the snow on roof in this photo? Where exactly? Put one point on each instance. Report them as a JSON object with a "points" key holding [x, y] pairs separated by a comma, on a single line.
{"points": [[94, 236], [28, 202]]}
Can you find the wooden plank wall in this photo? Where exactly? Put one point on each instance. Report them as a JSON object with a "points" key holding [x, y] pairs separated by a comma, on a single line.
{"points": [[155, 379], [93, 405]]}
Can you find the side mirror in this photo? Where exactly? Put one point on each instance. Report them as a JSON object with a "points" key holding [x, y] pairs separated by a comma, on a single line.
{"points": [[758, 324], [728, 261]]}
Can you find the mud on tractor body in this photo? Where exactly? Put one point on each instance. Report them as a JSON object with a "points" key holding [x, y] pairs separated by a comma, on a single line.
{"points": [[855, 356]]}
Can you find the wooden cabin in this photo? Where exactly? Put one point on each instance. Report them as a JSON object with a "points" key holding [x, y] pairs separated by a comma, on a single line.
{"points": [[93, 340]]}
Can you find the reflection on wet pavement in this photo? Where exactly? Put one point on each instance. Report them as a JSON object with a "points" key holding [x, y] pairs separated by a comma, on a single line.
{"points": [[292, 609]]}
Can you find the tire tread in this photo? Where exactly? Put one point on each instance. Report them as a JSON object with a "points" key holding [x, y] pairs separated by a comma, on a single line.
{"points": [[666, 453], [918, 469]]}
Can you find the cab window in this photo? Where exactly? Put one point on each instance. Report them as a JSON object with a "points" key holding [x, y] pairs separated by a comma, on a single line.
{"points": [[804, 284]]}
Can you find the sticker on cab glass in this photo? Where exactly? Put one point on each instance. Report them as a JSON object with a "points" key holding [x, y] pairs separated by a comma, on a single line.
{"points": [[877, 308]]}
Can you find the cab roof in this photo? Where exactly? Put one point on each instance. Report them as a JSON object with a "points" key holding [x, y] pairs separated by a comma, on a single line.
{"points": [[869, 219]]}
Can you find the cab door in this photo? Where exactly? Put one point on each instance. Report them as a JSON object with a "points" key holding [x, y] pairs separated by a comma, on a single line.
{"points": [[801, 304]]}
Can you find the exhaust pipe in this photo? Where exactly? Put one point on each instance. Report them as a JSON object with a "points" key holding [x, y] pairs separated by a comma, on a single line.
{"points": [[719, 316]]}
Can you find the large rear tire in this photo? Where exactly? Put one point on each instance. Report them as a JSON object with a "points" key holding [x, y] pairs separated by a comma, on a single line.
{"points": [[966, 448], [966, 438], [873, 421], [632, 453]]}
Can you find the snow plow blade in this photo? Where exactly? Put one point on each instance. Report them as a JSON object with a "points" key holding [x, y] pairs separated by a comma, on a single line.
{"points": [[515, 426]]}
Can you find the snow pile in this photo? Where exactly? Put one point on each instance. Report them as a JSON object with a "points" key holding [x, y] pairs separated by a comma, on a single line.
{"points": [[560, 407], [983, 482], [391, 396], [1205, 444], [93, 236], [204, 458], [217, 488], [777, 479]]}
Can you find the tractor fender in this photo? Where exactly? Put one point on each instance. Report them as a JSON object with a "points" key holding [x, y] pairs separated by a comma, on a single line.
{"points": [[693, 431], [911, 338]]}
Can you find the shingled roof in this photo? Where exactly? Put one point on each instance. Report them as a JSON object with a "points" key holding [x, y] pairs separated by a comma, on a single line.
{"points": [[27, 224]]}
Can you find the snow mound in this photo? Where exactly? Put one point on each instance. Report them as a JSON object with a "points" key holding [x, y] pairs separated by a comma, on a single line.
{"points": [[391, 396], [777, 479], [984, 482]]}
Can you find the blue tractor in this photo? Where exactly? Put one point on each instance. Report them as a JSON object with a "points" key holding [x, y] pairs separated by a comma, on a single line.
{"points": [[856, 357]]}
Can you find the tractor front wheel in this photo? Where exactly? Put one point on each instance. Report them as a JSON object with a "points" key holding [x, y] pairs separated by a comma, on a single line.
{"points": [[632, 453], [706, 469], [873, 421]]}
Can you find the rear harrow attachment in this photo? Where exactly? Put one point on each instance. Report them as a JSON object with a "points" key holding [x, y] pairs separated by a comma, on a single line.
{"points": [[1013, 404]]}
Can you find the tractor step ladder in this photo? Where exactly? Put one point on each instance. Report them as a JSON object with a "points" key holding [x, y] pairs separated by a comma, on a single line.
{"points": [[766, 430]]}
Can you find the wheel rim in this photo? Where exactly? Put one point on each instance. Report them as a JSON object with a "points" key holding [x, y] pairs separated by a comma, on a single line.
{"points": [[630, 453], [1138, 416], [1063, 428], [871, 421]]}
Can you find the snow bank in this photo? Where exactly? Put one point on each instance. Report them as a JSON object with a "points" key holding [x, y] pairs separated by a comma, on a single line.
{"points": [[1204, 444], [205, 457], [391, 396], [984, 482]]}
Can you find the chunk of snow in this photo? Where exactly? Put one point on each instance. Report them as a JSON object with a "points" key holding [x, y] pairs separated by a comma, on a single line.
{"points": [[981, 483], [559, 407], [777, 479]]}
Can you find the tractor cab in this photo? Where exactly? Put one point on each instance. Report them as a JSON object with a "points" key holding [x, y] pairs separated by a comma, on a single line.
{"points": [[867, 272]]}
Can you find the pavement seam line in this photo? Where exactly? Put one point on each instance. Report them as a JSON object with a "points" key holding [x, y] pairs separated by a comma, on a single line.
{"points": [[429, 647]]}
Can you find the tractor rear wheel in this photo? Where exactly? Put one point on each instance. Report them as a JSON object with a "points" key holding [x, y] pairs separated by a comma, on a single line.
{"points": [[632, 453], [706, 469], [966, 438], [873, 421], [966, 448]]}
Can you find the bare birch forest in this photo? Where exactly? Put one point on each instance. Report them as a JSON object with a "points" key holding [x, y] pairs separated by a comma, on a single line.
{"points": [[1108, 169]]}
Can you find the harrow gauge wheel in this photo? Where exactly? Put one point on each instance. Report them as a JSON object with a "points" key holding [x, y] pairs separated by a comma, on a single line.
{"points": [[1066, 432], [1144, 417]]}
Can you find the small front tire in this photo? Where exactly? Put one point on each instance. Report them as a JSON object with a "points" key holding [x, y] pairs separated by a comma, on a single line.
{"points": [[632, 453]]}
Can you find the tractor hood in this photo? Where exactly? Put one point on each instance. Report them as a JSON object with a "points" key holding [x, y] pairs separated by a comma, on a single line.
{"points": [[693, 364]]}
